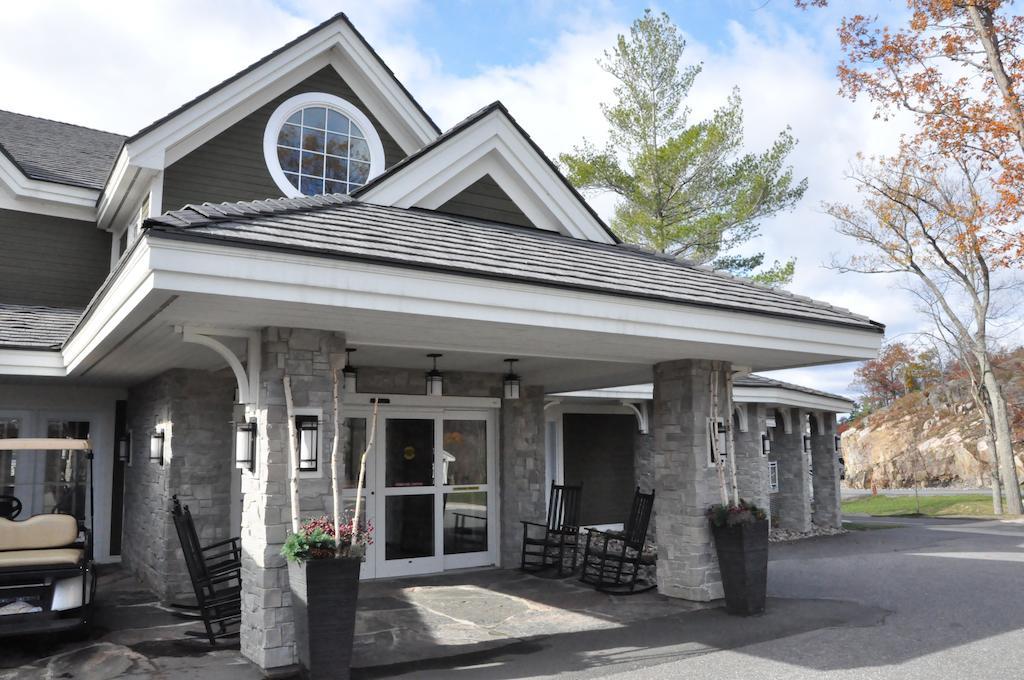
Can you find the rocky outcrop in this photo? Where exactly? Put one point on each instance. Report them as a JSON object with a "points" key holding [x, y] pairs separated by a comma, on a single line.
{"points": [[919, 440]]}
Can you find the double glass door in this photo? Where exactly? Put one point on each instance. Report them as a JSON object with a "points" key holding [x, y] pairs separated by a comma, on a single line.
{"points": [[430, 491]]}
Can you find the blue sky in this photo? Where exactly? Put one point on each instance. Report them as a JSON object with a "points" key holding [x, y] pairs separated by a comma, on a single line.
{"points": [[537, 56]]}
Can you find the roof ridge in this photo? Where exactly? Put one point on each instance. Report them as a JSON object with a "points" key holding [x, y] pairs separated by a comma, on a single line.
{"points": [[63, 122], [196, 215]]}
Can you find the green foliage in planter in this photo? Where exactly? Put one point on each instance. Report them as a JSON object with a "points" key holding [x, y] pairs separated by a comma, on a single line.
{"points": [[307, 545], [731, 515]]}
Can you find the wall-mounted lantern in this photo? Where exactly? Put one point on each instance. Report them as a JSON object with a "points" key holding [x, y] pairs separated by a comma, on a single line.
{"points": [[511, 383], [838, 443], [245, 445], [807, 443], [348, 374], [766, 444], [308, 428], [124, 447], [156, 447], [435, 379]]}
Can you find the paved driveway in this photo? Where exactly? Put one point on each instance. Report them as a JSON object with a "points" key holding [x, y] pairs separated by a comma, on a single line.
{"points": [[933, 599]]}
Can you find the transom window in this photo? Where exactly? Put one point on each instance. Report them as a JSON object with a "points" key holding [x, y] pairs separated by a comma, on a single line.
{"points": [[317, 143]]}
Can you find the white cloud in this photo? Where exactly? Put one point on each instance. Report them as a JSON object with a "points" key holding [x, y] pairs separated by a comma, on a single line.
{"points": [[120, 65]]}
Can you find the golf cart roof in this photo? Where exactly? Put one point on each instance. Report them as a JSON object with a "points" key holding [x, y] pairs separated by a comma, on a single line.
{"points": [[55, 444]]}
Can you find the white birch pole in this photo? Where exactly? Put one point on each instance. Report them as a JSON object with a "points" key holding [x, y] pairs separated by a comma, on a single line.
{"points": [[730, 442], [293, 455], [335, 459], [713, 437], [362, 472]]}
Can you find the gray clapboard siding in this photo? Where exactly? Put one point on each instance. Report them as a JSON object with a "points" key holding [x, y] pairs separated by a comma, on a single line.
{"points": [[485, 200], [230, 167], [50, 261]]}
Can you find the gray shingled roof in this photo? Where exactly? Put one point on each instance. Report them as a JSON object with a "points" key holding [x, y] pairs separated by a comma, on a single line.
{"points": [[754, 380], [34, 327], [338, 226], [58, 152]]}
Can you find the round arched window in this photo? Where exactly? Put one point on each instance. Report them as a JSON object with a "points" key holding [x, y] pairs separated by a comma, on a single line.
{"points": [[317, 143]]}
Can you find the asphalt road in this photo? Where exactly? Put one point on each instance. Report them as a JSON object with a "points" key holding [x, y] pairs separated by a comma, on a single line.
{"points": [[933, 599]]}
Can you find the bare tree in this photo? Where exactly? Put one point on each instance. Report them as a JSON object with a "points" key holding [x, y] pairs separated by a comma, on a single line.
{"points": [[926, 216]]}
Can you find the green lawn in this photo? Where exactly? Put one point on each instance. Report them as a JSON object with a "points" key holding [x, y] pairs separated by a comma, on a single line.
{"points": [[931, 506]]}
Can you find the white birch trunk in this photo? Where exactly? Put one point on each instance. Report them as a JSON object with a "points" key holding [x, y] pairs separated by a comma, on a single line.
{"points": [[335, 460], [730, 441], [362, 472], [713, 437], [293, 455]]}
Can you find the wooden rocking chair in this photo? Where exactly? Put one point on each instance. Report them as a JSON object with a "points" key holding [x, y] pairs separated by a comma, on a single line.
{"points": [[561, 533], [612, 560], [216, 574]]}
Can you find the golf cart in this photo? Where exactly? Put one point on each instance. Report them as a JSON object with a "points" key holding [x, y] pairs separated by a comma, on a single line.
{"points": [[47, 575]]}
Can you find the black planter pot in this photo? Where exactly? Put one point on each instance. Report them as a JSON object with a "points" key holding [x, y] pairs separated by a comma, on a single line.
{"points": [[324, 594], [743, 562]]}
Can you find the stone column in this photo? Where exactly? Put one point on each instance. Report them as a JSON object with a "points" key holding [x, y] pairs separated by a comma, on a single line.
{"points": [[788, 450], [523, 477], [685, 481], [825, 460], [751, 465], [268, 629]]}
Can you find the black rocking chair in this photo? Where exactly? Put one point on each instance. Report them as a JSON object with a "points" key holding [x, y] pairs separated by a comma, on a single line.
{"points": [[612, 560], [216, 574], [561, 533]]}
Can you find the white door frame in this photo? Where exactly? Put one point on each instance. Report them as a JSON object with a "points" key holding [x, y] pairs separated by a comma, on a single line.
{"points": [[439, 409]]}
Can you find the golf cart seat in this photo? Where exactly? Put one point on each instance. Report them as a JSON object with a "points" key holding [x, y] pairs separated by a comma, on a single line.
{"points": [[40, 541]]}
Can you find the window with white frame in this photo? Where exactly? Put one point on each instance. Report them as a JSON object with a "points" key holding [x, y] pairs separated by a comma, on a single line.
{"points": [[317, 143], [773, 476]]}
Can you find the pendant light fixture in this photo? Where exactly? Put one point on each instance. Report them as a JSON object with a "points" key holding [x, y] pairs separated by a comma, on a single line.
{"points": [[512, 382], [435, 379]]}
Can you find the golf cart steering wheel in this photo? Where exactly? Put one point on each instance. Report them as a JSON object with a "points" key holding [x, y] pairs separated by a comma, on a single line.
{"points": [[10, 506]]}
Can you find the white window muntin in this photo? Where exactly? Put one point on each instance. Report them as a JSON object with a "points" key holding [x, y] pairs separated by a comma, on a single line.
{"points": [[307, 100], [773, 476]]}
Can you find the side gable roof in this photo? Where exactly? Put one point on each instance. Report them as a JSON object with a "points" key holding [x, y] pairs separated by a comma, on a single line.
{"points": [[753, 380], [377, 190], [338, 226], [52, 151]]}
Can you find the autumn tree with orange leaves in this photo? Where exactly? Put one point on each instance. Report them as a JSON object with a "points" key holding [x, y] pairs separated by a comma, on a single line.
{"points": [[957, 67], [946, 210]]}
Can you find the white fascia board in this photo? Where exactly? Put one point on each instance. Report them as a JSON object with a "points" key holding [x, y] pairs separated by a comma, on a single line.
{"points": [[121, 296], [785, 397], [31, 362], [626, 393], [257, 274], [493, 146], [49, 198], [148, 150]]}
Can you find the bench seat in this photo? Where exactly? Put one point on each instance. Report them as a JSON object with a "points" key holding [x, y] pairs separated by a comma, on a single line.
{"points": [[41, 558]]}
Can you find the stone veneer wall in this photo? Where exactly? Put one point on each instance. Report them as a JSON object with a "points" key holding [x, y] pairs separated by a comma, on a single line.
{"points": [[751, 466], [194, 410], [523, 472], [686, 484], [267, 636], [792, 498], [643, 473], [826, 510]]}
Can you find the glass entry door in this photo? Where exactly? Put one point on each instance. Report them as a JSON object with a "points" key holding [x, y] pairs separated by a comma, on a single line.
{"points": [[433, 492]]}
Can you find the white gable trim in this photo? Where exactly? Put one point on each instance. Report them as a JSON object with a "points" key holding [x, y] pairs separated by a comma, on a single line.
{"points": [[492, 146], [18, 192], [336, 45]]}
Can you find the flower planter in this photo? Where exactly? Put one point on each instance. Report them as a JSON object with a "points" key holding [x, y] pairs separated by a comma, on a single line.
{"points": [[743, 562], [324, 594]]}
